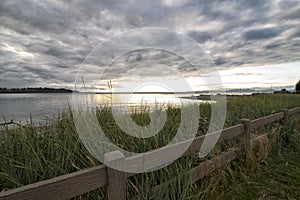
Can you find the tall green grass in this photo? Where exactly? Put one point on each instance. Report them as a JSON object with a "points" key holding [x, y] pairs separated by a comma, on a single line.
{"points": [[273, 177], [30, 154]]}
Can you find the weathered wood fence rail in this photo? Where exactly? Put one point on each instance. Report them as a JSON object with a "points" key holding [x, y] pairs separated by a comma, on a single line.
{"points": [[77, 183]]}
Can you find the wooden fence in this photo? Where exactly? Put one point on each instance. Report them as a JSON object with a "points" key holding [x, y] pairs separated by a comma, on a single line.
{"points": [[77, 183]]}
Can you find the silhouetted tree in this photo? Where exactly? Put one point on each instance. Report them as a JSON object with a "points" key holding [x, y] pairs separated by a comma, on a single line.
{"points": [[297, 88]]}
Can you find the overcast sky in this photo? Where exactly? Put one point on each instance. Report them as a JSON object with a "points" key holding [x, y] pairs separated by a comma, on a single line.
{"points": [[43, 43]]}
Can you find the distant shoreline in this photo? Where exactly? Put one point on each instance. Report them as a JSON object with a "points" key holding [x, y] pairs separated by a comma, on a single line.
{"points": [[34, 90], [199, 95]]}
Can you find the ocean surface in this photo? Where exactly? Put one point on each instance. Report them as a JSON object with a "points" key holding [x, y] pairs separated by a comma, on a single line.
{"points": [[40, 106]]}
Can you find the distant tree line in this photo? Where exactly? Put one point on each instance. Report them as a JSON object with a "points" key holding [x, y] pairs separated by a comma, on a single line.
{"points": [[297, 88], [35, 90]]}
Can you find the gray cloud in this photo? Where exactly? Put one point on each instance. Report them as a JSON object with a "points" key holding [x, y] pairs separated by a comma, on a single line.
{"points": [[199, 36], [260, 34], [220, 61], [274, 45], [45, 42]]}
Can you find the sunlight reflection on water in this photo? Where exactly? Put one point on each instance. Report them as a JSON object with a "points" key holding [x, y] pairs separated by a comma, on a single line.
{"points": [[19, 106]]}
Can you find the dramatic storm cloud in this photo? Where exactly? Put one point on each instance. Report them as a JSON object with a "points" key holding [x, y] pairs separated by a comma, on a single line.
{"points": [[44, 42]]}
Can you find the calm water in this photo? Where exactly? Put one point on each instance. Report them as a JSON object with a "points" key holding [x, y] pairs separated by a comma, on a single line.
{"points": [[19, 107]]}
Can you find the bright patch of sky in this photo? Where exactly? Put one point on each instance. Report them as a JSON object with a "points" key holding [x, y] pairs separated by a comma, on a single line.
{"points": [[261, 76]]}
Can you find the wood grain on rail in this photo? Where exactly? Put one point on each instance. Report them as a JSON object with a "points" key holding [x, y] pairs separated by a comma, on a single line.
{"points": [[158, 157], [62, 187], [294, 111], [266, 120], [209, 166]]}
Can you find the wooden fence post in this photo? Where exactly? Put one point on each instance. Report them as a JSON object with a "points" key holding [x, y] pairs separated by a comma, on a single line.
{"points": [[116, 189], [245, 137], [286, 116]]}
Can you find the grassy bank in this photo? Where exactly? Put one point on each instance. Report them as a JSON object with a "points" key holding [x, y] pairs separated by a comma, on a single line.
{"points": [[275, 175], [27, 156]]}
